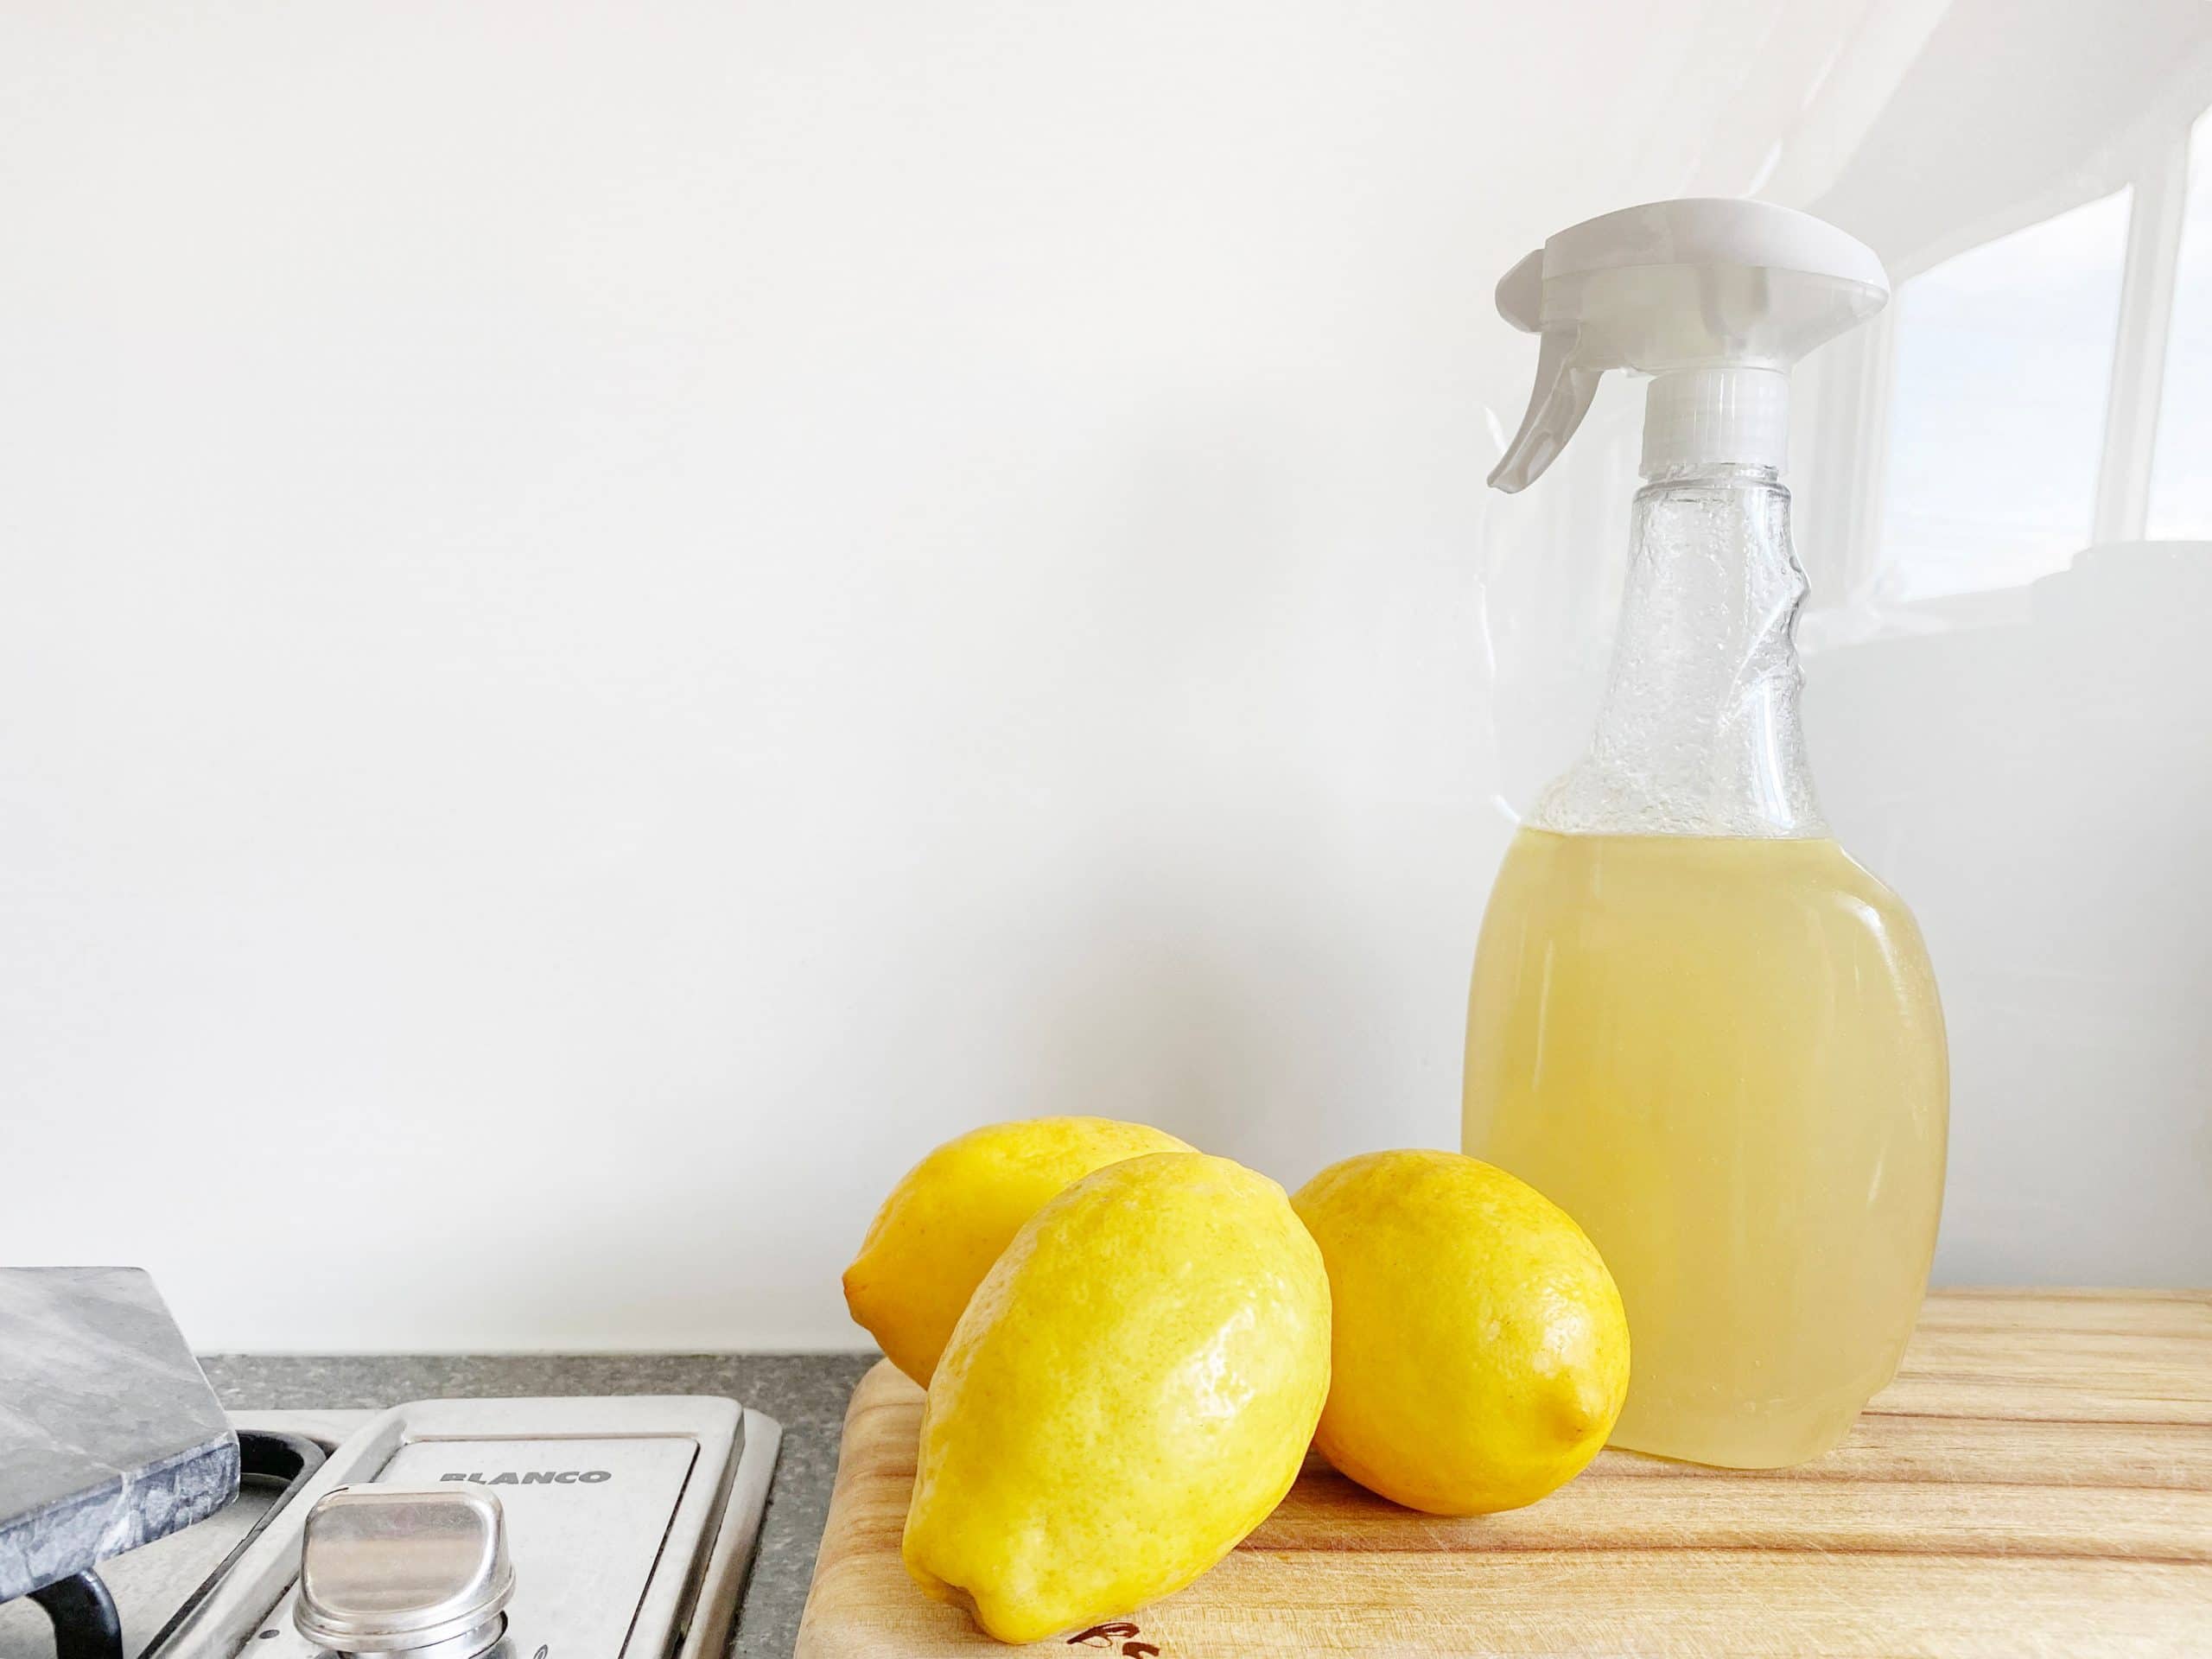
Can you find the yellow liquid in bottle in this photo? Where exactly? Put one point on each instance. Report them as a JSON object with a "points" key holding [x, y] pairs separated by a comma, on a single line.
{"points": [[1725, 1058]]}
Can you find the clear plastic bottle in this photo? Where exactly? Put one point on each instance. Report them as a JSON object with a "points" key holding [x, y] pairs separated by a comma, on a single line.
{"points": [[1721, 1053], [1695, 1024]]}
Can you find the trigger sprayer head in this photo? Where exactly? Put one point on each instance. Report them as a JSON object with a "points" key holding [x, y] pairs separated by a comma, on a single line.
{"points": [[1716, 298]]}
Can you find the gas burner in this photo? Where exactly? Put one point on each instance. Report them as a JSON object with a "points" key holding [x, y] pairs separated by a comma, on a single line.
{"points": [[542, 1528]]}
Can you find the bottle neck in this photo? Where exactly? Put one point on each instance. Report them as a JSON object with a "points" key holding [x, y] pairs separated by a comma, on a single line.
{"points": [[1716, 417], [1700, 732]]}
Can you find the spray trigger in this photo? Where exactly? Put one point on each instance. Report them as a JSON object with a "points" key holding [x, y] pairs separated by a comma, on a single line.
{"points": [[1716, 298]]}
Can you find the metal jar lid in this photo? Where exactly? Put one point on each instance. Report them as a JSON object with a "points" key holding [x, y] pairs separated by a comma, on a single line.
{"points": [[391, 1569]]}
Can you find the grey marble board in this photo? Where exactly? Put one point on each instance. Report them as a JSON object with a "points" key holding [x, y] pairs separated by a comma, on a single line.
{"points": [[110, 1436]]}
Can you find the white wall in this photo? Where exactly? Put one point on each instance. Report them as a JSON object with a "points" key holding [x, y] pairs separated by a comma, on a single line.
{"points": [[615, 619]]}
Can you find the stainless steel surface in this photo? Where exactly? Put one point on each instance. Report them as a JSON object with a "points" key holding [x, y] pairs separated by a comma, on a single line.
{"points": [[151, 1583], [387, 1568], [807, 1394], [628, 1521], [587, 1519]]}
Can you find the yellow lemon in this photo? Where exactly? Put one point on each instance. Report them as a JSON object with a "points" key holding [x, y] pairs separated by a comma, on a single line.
{"points": [[945, 1225], [1481, 1353], [1131, 1391]]}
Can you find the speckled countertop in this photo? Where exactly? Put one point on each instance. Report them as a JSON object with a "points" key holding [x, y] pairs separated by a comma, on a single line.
{"points": [[806, 1393]]}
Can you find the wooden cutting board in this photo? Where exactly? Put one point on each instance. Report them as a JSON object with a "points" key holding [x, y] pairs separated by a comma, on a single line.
{"points": [[2037, 1481]]}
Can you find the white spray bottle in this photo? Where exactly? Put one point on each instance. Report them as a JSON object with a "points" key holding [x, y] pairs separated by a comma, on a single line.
{"points": [[1696, 1024]]}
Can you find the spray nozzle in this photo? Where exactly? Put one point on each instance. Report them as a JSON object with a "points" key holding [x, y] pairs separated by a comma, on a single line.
{"points": [[1716, 298]]}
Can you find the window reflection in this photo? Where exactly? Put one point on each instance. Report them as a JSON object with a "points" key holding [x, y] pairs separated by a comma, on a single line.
{"points": [[2180, 469], [2003, 370]]}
